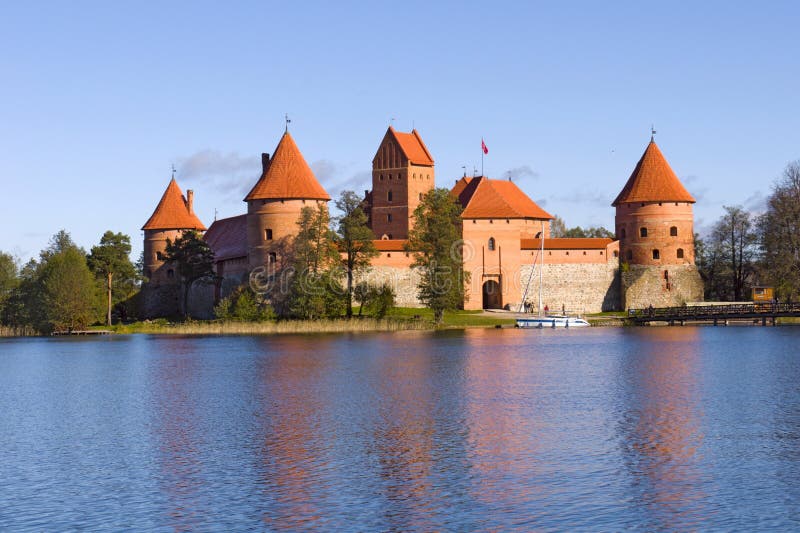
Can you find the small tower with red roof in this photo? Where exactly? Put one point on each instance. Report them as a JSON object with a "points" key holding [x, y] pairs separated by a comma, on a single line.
{"points": [[655, 227], [173, 215], [287, 185], [402, 172]]}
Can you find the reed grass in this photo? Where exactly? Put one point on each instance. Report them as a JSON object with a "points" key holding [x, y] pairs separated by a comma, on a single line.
{"points": [[22, 331]]}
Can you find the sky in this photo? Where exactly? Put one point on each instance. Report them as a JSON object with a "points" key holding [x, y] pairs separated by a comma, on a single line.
{"points": [[99, 99]]}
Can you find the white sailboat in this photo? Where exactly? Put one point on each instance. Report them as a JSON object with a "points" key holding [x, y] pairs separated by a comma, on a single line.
{"points": [[546, 320]]}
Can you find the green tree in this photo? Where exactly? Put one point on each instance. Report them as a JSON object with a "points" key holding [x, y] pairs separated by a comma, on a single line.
{"points": [[779, 234], [245, 305], [377, 299], [194, 261], [315, 290], [558, 229], [24, 307], [69, 292], [354, 239], [436, 242], [110, 261], [9, 280]]}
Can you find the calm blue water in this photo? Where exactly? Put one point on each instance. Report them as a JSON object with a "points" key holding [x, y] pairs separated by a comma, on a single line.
{"points": [[605, 429]]}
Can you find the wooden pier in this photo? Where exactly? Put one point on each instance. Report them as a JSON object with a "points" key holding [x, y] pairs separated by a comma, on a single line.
{"points": [[756, 313]]}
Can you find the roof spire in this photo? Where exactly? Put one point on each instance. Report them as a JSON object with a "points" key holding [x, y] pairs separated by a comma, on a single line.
{"points": [[652, 133], [173, 171], [288, 120]]}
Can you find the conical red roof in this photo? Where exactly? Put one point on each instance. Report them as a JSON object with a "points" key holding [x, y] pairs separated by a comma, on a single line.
{"points": [[173, 212], [653, 181], [287, 176]]}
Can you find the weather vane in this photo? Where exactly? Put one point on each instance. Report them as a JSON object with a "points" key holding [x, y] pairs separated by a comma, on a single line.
{"points": [[288, 120], [652, 131], [173, 171]]}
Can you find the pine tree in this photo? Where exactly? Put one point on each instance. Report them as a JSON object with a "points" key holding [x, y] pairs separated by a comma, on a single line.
{"points": [[110, 260], [194, 261]]}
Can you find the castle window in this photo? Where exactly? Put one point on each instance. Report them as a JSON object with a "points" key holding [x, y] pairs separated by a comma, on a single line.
{"points": [[390, 236], [491, 221], [381, 178], [491, 243], [170, 273], [656, 254], [273, 258], [429, 176], [474, 221], [389, 196], [659, 204], [420, 197], [642, 232], [629, 255], [389, 254], [616, 254], [159, 256], [508, 221], [584, 253], [680, 253], [567, 253], [673, 231], [622, 233], [389, 217], [263, 202], [268, 234], [390, 176]]}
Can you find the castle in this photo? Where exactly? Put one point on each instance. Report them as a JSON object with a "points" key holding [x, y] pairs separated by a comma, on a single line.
{"points": [[651, 262]]}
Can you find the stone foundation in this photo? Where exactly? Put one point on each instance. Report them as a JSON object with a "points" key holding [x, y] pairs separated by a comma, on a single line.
{"points": [[403, 280], [643, 286]]}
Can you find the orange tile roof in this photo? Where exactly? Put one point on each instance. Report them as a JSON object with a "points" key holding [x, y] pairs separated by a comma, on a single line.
{"points": [[390, 245], [287, 176], [653, 181], [565, 244], [228, 237], [172, 212], [482, 197], [412, 146]]}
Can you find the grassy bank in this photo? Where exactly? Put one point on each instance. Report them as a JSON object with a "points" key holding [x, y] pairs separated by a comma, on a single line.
{"points": [[399, 319]]}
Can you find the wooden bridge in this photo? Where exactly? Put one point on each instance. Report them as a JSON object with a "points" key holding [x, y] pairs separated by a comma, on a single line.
{"points": [[764, 313]]}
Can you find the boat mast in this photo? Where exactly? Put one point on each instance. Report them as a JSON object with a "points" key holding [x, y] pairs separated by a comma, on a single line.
{"points": [[541, 269]]}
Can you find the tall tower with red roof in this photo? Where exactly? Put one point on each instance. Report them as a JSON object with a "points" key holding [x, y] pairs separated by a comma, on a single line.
{"points": [[173, 215], [287, 184], [402, 172], [655, 227]]}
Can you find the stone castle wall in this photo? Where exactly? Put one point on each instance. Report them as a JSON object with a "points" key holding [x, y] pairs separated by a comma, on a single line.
{"points": [[403, 280], [577, 288], [642, 286]]}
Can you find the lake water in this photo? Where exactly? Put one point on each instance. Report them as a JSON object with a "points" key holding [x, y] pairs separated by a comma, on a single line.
{"points": [[677, 428]]}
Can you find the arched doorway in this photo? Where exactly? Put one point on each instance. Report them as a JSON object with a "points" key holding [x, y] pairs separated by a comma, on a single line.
{"points": [[491, 295]]}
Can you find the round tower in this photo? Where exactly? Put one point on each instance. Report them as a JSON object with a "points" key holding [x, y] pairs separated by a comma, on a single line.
{"points": [[287, 185], [173, 215], [654, 223]]}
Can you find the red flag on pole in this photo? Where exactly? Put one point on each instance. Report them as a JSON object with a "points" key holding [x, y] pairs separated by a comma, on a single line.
{"points": [[483, 147]]}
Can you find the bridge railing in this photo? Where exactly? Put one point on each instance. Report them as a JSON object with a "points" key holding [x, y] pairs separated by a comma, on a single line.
{"points": [[677, 313]]}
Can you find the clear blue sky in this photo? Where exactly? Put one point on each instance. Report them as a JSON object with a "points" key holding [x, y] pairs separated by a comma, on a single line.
{"points": [[97, 100]]}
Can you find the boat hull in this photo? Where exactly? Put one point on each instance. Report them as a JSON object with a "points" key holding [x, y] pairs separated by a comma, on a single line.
{"points": [[552, 322]]}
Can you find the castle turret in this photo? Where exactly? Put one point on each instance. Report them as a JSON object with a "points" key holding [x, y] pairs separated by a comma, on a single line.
{"points": [[402, 172], [287, 184], [655, 227], [173, 215]]}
